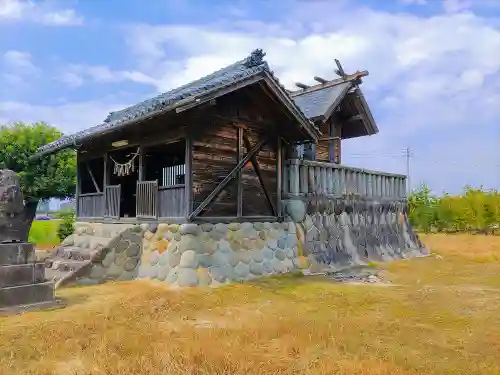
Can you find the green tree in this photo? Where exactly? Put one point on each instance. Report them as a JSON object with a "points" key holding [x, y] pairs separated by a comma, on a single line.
{"points": [[43, 178]]}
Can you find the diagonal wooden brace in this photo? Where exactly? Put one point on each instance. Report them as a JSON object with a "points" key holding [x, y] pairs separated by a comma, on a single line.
{"points": [[256, 166], [227, 179]]}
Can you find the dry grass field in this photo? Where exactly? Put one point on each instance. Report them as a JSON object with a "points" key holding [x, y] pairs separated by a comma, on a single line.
{"points": [[441, 316]]}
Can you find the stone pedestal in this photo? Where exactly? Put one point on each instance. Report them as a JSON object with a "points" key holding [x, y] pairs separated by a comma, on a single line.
{"points": [[22, 279]]}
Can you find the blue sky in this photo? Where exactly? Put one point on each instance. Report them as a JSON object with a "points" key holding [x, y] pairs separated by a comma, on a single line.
{"points": [[434, 82]]}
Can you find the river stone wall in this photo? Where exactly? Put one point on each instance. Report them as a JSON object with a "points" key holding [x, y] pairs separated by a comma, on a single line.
{"points": [[209, 255], [342, 232]]}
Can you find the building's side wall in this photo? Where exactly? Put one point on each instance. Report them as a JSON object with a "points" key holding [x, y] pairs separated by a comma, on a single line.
{"points": [[329, 129]]}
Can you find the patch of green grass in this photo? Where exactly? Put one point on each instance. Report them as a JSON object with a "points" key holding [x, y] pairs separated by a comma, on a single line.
{"points": [[44, 233]]}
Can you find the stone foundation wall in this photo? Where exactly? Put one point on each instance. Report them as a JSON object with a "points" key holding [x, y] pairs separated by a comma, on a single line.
{"points": [[343, 232], [211, 255]]}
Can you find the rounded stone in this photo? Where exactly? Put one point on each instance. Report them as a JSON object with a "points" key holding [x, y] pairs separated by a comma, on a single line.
{"points": [[236, 245], [152, 227], [188, 242], [163, 227], [189, 259], [221, 273], [205, 260], [291, 240], [272, 243], [288, 264], [267, 267], [277, 265], [257, 226], [290, 253], [282, 243], [152, 272], [133, 250], [131, 264], [127, 275], [154, 257], [174, 258], [296, 209], [148, 235], [68, 241], [169, 236], [273, 233], [267, 225], [114, 271], [280, 254], [241, 270], [257, 255], [162, 273], [221, 227], [248, 244], [164, 259], [172, 247], [207, 227], [143, 272], [120, 259], [220, 258], [234, 226], [97, 272], [174, 228], [209, 247], [243, 256], [292, 229], [122, 246], [108, 259], [256, 268], [187, 277], [267, 253], [82, 242], [189, 228], [259, 243], [172, 275], [204, 278]]}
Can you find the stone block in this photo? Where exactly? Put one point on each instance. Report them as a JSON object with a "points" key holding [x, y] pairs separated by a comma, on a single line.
{"points": [[21, 274], [16, 253], [26, 294]]}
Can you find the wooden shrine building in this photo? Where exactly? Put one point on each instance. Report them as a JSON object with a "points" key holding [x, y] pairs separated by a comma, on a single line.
{"points": [[213, 149]]}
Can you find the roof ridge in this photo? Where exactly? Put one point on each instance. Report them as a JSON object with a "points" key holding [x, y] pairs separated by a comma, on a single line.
{"points": [[255, 59]]}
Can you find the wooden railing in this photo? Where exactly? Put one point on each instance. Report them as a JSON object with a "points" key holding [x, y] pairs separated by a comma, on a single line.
{"points": [[146, 199], [90, 205], [112, 195], [312, 178], [172, 201]]}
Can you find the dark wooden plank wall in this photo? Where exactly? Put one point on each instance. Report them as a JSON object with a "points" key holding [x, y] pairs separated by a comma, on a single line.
{"points": [[254, 200], [323, 147], [214, 155]]}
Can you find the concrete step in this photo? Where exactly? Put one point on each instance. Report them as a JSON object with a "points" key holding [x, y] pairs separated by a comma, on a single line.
{"points": [[22, 274], [26, 294]]}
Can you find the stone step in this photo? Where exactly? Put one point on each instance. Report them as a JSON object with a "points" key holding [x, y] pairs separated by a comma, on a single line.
{"points": [[90, 242], [26, 294], [54, 275], [72, 252], [68, 265], [16, 253], [22, 274]]}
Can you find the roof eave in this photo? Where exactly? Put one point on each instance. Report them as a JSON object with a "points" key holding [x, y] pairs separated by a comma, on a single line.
{"points": [[336, 103], [368, 119], [305, 123]]}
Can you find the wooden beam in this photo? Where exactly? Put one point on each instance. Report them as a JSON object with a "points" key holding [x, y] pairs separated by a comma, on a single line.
{"points": [[334, 82], [92, 177], [320, 80], [226, 180], [301, 85], [256, 166], [340, 70]]}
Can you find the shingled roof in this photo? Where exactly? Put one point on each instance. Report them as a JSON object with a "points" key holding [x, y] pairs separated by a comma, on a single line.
{"points": [[253, 65]]}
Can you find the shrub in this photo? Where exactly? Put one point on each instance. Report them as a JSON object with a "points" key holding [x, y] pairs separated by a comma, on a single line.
{"points": [[67, 225]]}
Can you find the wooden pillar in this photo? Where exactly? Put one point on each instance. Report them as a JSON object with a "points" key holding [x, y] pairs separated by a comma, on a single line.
{"points": [[240, 152], [279, 171], [141, 164], [77, 187], [337, 142], [188, 176]]}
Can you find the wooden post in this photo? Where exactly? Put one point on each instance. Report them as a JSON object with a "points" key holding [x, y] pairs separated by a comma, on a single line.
{"points": [[304, 177], [294, 177], [240, 153], [77, 187], [141, 164], [279, 169], [188, 176]]}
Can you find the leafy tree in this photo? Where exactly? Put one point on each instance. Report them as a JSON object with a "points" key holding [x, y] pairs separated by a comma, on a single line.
{"points": [[52, 176], [67, 225]]}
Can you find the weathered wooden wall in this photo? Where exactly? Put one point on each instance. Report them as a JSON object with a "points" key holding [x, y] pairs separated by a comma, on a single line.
{"points": [[323, 146]]}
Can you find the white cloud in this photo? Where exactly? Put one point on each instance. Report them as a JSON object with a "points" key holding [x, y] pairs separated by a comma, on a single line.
{"points": [[76, 74], [38, 12]]}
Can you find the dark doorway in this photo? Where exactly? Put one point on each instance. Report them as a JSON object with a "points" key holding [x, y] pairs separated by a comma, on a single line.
{"points": [[126, 177]]}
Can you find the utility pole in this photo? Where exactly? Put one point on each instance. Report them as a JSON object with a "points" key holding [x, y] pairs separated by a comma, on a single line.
{"points": [[408, 155]]}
